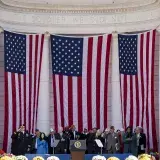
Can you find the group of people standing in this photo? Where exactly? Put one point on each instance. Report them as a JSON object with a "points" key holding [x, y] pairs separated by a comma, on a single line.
{"points": [[58, 142]]}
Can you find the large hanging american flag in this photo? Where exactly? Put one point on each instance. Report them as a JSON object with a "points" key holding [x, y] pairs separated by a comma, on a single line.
{"points": [[80, 69], [136, 64], [23, 57]]}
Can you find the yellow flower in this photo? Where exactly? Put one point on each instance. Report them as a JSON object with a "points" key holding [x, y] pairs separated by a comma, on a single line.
{"points": [[113, 158], [145, 157], [6, 158], [38, 158]]}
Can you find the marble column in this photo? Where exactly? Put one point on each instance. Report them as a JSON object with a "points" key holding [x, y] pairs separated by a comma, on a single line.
{"points": [[43, 119], [116, 99]]}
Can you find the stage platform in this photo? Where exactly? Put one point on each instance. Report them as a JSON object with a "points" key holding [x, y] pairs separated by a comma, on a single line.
{"points": [[68, 156]]}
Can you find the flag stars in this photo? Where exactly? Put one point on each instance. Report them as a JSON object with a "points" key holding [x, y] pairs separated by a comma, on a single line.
{"points": [[69, 59]]}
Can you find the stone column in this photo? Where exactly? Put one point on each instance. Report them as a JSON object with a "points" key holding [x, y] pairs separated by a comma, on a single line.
{"points": [[116, 99], [43, 119]]}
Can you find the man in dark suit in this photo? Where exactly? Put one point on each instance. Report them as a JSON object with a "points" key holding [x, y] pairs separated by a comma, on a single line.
{"points": [[67, 133], [138, 142], [91, 141], [61, 148], [84, 134], [141, 140], [34, 141], [51, 141], [74, 135]]}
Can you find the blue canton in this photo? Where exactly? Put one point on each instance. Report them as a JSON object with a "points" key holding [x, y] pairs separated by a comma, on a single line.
{"points": [[15, 52], [127, 54], [67, 53]]}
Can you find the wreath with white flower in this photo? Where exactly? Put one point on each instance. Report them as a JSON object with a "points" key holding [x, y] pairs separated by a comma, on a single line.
{"points": [[53, 158], [98, 157], [21, 158], [38, 158], [131, 158]]}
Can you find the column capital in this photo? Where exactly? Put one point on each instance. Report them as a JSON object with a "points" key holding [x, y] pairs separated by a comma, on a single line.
{"points": [[115, 34]]}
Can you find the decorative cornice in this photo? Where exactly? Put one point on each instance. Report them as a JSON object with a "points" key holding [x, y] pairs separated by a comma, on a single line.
{"points": [[53, 8], [80, 22]]}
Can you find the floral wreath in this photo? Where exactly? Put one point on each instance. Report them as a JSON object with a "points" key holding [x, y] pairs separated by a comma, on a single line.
{"points": [[98, 157], [38, 158], [146, 157], [52, 158], [131, 158], [6, 157], [113, 158], [21, 158]]}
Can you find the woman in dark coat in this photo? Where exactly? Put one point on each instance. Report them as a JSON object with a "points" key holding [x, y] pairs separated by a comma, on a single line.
{"points": [[127, 140]]}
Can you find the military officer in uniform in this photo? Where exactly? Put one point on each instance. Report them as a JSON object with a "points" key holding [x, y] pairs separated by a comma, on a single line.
{"points": [[15, 143], [24, 141]]}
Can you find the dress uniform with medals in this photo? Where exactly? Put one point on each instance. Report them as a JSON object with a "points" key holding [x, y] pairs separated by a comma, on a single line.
{"points": [[15, 143], [24, 141]]}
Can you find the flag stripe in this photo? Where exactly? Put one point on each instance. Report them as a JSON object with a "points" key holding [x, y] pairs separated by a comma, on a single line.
{"points": [[70, 101], [61, 98], [14, 102], [30, 80], [17, 102], [6, 122], [65, 95], [75, 100], [58, 101], [25, 101], [147, 81], [134, 103], [98, 73], [137, 101], [131, 100], [125, 99], [89, 82], [55, 102], [93, 82], [154, 133], [142, 78], [150, 140], [79, 97], [108, 45], [102, 81], [84, 83]]}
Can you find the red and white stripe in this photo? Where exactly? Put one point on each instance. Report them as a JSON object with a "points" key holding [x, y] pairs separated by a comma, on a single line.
{"points": [[137, 91], [22, 90], [83, 101]]}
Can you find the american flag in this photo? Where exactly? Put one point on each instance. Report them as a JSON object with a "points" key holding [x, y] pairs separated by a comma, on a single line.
{"points": [[80, 69], [136, 64], [23, 57]]}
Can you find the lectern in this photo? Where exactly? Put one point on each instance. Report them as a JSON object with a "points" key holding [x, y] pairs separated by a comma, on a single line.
{"points": [[77, 149]]}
